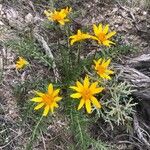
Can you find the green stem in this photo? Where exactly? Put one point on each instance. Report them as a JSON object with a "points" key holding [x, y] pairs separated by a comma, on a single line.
{"points": [[80, 131], [94, 54], [68, 31], [78, 56], [29, 146], [78, 53]]}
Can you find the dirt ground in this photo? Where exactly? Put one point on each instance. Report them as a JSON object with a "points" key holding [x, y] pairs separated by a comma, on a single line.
{"points": [[132, 23]]}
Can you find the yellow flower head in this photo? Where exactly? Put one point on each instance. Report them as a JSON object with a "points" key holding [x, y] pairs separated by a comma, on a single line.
{"points": [[102, 35], [101, 66], [67, 10], [78, 37], [86, 92], [47, 100], [21, 63], [58, 16]]}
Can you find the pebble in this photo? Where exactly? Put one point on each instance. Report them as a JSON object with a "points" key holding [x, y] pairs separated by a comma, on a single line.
{"points": [[144, 13], [29, 18], [1, 7], [1, 23]]}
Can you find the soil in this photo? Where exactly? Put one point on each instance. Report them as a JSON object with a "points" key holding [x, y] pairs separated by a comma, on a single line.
{"points": [[132, 24]]}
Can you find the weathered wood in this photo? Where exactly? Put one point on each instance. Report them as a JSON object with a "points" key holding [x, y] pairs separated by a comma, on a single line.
{"points": [[134, 71], [143, 60], [139, 77]]}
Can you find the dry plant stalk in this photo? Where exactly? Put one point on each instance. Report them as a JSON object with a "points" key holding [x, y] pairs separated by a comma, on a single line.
{"points": [[48, 51]]}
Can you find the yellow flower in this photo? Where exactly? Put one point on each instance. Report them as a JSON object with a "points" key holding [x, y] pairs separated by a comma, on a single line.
{"points": [[101, 66], [21, 63], [102, 35], [86, 92], [58, 16], [67, 10], [47, 100], [78, 37]]}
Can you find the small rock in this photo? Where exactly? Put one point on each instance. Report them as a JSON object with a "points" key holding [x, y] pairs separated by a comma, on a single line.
{"points": [[11, 14], [115, 10], [1, 63], [1, 23], [1, 7], [29, 18], [144, 13], [116, 25], [2, 13]]}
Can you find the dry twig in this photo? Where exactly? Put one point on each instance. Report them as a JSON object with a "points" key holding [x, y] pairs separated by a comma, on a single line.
{"points": [[48, 51], [140, 133]]}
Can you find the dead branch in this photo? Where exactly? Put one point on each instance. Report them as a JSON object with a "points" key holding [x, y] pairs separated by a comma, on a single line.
{"points": [[139, 77], [133, 76], [140, 133], [48, 51], [140, 62]]}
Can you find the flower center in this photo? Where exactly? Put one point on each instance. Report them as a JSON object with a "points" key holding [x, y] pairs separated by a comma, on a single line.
{"points": [[80, 37], [102, 36], [47, 99], [101, 69], [86, 94], [57, 17]]}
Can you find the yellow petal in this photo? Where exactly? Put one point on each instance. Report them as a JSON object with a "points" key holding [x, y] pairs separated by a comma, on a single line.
{"points": [[95, 29], [72, 41], [76, 95], [86, 82], [105, 76], [95, 102], [50, 89], [72, 36], [93, 37], [21, 63], [103, 62], [107, 63], [62, 22], [99, 41], [88, 106], [57, 98], [66, 20], [106, 28], [75, 88], [100, 28], [39, 93], [55, 93], [86, 36], [109, 35], [93, 86], [52, 109], [109, 71], [49, 18], [79, 32], [56, 105], [98, 61], [97, 90], [36, 99], [39, 106], [18, 66], [46, 13], [79, 85], [107, 43], [46, 110], [81, 104]]}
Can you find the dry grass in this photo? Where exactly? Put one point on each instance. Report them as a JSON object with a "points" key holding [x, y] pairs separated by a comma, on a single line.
{"points": [[136, 3], [15, 133]]}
